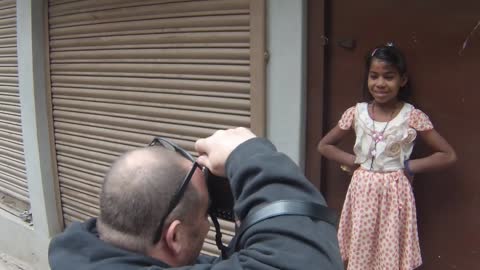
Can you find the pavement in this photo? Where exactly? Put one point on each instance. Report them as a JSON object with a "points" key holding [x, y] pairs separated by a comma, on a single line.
{"points": [[10, 263]]}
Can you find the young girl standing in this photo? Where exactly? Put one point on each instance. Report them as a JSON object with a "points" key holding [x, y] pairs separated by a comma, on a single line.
{"points": [[378, 225]]}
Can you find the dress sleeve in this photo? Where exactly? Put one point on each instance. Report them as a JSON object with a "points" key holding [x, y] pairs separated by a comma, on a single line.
{"points": [[420, 121], [346, 120]]}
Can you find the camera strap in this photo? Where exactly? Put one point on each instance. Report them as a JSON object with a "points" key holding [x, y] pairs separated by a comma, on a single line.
{"points": [[279, 208]]}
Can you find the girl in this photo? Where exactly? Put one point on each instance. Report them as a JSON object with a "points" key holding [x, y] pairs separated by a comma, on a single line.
{"points": [[378, 225]]}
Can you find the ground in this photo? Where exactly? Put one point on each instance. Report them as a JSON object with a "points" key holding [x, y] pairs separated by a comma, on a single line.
{"points": [[9, 263]]}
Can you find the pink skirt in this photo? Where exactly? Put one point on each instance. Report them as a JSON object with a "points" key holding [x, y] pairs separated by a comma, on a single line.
{"points": [[378, 225]]}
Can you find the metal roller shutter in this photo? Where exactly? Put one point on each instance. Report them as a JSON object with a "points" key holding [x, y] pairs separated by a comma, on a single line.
{"points": [[13, 182], [124, 71]]}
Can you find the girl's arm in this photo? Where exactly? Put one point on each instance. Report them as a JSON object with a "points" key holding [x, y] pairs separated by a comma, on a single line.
{"points": [[443, 155], [327, 147]]}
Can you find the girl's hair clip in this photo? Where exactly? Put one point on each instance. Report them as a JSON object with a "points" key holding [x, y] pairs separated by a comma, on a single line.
{"points": [[374, 51], [390, 44]]}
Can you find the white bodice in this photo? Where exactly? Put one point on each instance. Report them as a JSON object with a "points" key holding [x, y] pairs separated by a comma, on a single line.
{"points": [[396, 145]]}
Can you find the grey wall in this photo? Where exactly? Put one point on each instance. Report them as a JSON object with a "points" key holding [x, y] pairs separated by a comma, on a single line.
{"points": [[18, 239], [286, 76]]}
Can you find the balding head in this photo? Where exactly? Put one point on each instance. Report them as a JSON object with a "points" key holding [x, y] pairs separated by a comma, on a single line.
{"points": [[135, 196]]}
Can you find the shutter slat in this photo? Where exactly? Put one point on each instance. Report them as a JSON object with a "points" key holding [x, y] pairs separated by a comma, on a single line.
{"points": [[136, 12], [92, 144], [81, 177], [10, 118], [169, 25], [210, 39], [8, 22], [7, 60], [218, 72], [74, 184], [7, 98], [11, 142], [173, 116], [9, 175], [18, 175], [8, 4], [133, 125], [8, 90], [80, 205], [7, 186], [9, 107], [86, 155], [236, 56], [78, 198], [9, 81], [15, 193], [12, 163], [82, 165], [233, 89], [8, 41], [9, 51], [9, 127], [72, 210], [179, 101], [11, 139], [67, 6]]}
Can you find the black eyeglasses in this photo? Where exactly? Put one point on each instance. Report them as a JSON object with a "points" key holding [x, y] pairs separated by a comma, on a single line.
{"points": [[183, 186]]}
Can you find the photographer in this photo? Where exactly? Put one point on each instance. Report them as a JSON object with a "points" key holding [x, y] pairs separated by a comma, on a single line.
{"points": [[147, 222]]}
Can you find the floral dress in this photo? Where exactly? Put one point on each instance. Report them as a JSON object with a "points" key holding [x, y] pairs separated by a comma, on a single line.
{"points": [[378, 225]]}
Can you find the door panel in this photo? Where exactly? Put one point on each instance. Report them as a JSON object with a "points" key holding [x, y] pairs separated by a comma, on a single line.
{"points": [[441, 40]]}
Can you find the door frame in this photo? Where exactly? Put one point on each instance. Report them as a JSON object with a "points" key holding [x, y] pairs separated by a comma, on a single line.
{"points": [[315, 116]]}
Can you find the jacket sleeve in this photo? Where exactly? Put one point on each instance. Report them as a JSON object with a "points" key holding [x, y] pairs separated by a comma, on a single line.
{"points": [[259, 174]]}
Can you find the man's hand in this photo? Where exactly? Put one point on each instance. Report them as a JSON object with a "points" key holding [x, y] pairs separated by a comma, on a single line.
{"points": [[214, 150]]}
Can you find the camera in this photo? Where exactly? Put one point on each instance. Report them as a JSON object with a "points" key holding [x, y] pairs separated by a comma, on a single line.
{"points": [[221, 197]]}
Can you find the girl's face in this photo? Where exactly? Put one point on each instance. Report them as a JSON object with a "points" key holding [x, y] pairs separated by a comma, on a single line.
{"points": [[384, 82]]}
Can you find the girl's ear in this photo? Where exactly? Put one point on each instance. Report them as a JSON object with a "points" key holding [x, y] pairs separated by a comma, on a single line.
{"points": [[404, 80]]}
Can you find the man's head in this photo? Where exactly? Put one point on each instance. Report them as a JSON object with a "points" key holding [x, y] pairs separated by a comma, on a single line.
{"points": [[135, 198]]}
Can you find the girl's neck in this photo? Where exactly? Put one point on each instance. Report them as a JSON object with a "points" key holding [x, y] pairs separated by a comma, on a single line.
{"points": [[384, 112], [387, 106]]}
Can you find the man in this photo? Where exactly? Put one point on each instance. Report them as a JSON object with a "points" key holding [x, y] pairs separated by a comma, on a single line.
{"points": [[145, 224]]}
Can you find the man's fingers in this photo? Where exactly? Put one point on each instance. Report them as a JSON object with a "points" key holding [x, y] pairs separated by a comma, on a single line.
{"points": [[214, 150], [200, 146], [204, 161]]}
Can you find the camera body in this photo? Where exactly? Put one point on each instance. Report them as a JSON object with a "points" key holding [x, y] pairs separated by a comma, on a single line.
{"points": [[221, 197]]}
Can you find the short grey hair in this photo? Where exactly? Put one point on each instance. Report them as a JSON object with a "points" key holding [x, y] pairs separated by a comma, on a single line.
{"points": [[135, 196]]}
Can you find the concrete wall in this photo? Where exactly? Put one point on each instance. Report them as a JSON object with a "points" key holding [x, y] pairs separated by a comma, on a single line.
{"points": [[30, 244], [286, 76]]}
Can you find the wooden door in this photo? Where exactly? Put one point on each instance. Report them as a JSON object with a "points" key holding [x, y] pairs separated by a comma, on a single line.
{"points": [[441, 40]]}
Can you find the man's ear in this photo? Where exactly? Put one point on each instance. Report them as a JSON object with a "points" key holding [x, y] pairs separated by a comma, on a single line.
{"points": [[172, 237]]}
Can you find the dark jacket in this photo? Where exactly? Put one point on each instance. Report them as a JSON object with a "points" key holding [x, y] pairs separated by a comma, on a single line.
{"points": [[258, 174]]}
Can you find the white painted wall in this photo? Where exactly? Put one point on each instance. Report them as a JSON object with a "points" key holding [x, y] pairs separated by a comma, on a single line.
{"points": [[286, 76], [30, 244]]}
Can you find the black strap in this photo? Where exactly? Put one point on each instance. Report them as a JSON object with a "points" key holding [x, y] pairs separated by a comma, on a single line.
{"points": [[218, 237], [283, 208]]}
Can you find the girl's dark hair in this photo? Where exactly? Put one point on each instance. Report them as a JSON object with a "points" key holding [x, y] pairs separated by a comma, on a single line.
{"points": [[394, 57]]}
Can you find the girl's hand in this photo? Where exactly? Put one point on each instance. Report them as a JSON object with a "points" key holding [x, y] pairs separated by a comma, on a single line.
{"points": [[348, 169], [351, 166], [409, 176]]}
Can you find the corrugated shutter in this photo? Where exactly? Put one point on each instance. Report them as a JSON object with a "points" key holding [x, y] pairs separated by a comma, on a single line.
{"points": [[13, 182], [124, 71]]}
